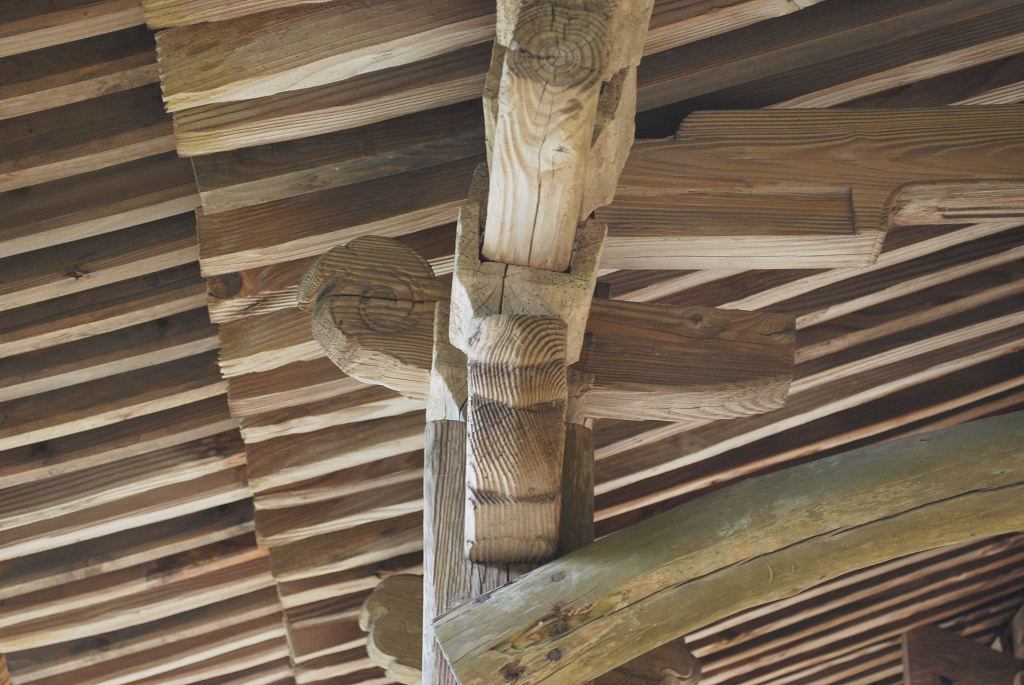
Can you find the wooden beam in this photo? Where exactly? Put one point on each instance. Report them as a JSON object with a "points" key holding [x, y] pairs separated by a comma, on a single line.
{"points": [[96, 202], [275, 287], [26, 27], [309, 45], [795, 543], [117, 441], [136, 347], [113, 129], [239, 178], [932, 655], [121, 550], [739, 363], [94, 487], [824, 47], [393, 617], [348, 549], [153, 604], [98, 403], [63, 74], [101, 310], [163, 636], [164, 503], [299, 457], [92, 262], [363, 405], [360, 100], [366, 99], [823, 207], [394, 609], [308, 225]]}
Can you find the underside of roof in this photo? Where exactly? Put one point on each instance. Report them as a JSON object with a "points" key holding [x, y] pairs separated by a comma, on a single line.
{"points": [[191, 493]]}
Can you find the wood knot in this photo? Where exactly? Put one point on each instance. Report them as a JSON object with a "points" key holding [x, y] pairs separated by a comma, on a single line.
{"points": [[225, 286], [558, 46], [512, 672]]}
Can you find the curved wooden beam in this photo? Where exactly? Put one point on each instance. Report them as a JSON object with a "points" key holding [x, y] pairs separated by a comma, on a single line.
{"points": [[755, 542]]}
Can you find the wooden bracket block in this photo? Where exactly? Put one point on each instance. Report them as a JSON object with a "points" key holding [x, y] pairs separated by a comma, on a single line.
{"points": [[368, 296], [649, 361], [392, 617]]}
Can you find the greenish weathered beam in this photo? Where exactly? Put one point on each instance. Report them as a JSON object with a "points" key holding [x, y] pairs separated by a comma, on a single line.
{"points": [[755, 542]]}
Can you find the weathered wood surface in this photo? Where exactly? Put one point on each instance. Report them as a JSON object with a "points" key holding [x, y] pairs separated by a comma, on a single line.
{"points": [[275, 287], [452, 78], [822, 184], [135, 347], [92, 262], [547, 98], [373, 311], [27, 26], [392, 617], [122, 550], [932, 655], [239, 178], [1017, 633], [826, 49], [63, 74], [310, 45], [112, 129], [694, 362], [121, 440], [110, 199], [376, 96], [309, 225], [789, 542]]}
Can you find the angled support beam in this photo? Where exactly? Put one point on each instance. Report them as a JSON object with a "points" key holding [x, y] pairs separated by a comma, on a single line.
{"points": [[770, 536], [391, 616]]}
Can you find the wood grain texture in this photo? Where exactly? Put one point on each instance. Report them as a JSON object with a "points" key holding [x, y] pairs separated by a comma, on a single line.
{"points": [[288, 386], [136, 347], [266, 342], [101, 310], [97, 202], [377, 96], [348, 549], [673, 363], [932, 655], [391, 616], [27, 26], [275, 287], [515, 437], [117, 441], [603, 609], [363, 405], [64, 74], [371, 295], [99, 403], [576, 517], [165, 503], [547, 105], [852, 209], [481, 288], [309, 225], [818, 48], [295, 458], [122, 550], [239, 178], [310, 45], [94, 487], [113, 129], [92, 262]]}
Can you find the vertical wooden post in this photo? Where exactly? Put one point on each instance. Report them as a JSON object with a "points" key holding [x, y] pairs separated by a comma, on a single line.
{"points": [[449, 578]]}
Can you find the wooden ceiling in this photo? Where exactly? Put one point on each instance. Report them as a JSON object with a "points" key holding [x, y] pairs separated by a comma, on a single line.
{"points": [[192, 502]]}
